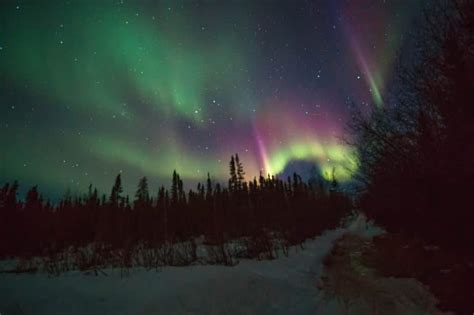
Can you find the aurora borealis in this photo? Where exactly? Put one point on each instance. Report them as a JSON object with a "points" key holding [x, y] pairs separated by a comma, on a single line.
{"points": [[90, 89]]}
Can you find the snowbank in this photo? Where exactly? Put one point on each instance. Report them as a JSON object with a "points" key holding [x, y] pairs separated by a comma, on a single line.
{"points": [[282, 286]]}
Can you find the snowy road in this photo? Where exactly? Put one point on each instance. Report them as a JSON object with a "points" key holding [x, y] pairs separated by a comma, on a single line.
{"points": [[281, 286]]}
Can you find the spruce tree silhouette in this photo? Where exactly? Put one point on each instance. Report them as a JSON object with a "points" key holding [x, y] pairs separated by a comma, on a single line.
{"points": [[239, 172], [115, 195]]}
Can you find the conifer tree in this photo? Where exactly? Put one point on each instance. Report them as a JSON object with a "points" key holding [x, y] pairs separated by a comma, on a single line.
{"points": [[233, 174], [208, 187], [174, 189], [239, 172], [142, 196], [115, 195]]}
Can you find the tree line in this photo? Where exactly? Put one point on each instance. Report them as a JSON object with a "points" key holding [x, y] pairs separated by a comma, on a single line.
{"points": [[241, 220], [416, 154]]}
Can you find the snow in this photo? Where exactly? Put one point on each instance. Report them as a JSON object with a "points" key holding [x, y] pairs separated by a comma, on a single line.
{"points": [[286, 285]]}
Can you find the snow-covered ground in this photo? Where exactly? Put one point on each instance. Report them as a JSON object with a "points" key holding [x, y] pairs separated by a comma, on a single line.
{"points": [[283, 286]]}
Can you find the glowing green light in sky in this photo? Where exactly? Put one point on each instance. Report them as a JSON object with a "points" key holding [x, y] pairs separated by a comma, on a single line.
{"points": [[341, 158]]}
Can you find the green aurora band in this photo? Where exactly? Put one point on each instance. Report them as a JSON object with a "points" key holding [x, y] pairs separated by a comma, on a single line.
{"points": [[94, 89]]}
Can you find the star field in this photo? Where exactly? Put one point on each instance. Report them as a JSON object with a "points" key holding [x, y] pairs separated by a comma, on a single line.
{"points": [[91, 89]]}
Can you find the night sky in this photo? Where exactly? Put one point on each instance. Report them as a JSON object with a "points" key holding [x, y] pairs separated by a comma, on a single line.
{"points": [[93, 88]]}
